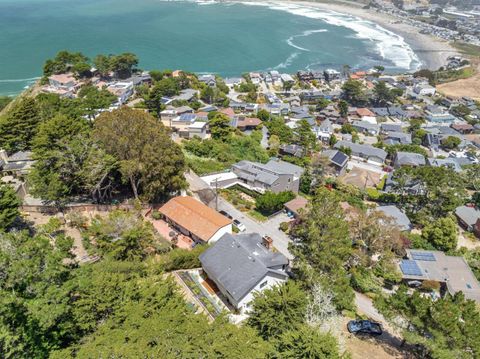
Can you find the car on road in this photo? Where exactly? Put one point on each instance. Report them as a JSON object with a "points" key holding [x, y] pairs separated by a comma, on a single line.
{"points": [[364, 327], [239, 225], [223, 213]]}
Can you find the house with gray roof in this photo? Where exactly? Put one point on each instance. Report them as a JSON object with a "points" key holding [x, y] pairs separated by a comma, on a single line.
{"points": [[408, 159], [276, 175], [469, 218], [338, 160], [208, 80], [452, 272], [391, 127], [243, 264], [366, 127], [18, 164], [399, 218], [449, 162], [367, 152], [398, 138]]}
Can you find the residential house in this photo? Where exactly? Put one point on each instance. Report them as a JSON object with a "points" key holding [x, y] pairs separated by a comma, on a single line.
{"points": [[367, 152], [208, 80], [296, 206], [449, 162], [331, 75], [410, 159], [122, 89], [365, 127], [197, 129], [286, 78], [398, 138], [17, 165], [438, 115], [244, 123], [366, 115], [196, 220], [399, 218], [276, 175], [390, 127], [463, 128], [292, 150], [324, 131], [412, 187], [469, 218], [452, 272], [243, 265], [338, 161], [188, 95], [424, 90]]}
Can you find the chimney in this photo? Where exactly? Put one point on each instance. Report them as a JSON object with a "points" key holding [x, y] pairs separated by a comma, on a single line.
{"points": [[267, 242]]}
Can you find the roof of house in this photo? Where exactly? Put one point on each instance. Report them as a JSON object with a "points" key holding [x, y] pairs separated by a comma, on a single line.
{"points": [[243, 121], [238, 263], [400, 136], [469, 215], [365, 112], [62, 78], [400, 218], [436, 266], [365, 150], [462, 127], [336, 157], [267, 173], [296, 204], [365, 125], [194, 216], [391, 127], [20, 156], [445, 162], [409, 159]]}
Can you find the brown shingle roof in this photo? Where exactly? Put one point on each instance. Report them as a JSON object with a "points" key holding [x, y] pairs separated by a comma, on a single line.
{"points": [[296, 204], [194, 216]]}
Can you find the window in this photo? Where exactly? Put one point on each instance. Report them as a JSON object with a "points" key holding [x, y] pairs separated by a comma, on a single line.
{"points": [[263, 284]]}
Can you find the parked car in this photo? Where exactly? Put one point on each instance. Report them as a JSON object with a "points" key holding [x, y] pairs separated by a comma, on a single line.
{"points": [[239, 225], [225, 214], [364, 327]]}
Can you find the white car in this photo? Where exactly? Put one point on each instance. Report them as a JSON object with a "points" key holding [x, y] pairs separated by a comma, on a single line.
{"points": [[239, 225]]}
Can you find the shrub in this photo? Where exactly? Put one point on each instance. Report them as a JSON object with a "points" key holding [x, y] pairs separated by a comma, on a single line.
{"points": [[156, 215], [270, 202], [284, 226], [429, 285], [181, 259]]}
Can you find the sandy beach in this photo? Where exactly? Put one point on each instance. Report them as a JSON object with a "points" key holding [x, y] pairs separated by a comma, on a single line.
{"points": [[432, 51]]}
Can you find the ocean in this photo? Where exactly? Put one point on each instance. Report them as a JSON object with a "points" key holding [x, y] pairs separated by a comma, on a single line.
{"points": [[227, 38]]}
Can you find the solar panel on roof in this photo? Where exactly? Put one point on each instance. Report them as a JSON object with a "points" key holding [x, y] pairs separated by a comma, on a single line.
{"points": [[423, 256], [410, 267], [339, 158]]}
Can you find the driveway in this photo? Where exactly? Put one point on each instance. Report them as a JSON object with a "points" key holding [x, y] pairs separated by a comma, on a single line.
{"points": [[269, 228]]}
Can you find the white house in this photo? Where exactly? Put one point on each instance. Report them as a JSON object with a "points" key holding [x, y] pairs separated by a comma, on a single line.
{"points": [[424, 90], [123, 90], [197, 129], [242, 265]]}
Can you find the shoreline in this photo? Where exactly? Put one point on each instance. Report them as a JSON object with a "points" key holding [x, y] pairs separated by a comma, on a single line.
{"points": [[430, 50]]}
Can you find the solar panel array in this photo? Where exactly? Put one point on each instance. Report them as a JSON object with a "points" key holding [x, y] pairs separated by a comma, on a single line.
{"points": [[423, 256], [409, 267]]}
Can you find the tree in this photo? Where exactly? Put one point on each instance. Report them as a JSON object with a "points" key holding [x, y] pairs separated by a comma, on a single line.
{"points": [[343, 108], [326, 247], [122, 236], [476, 199], [382, 93], [123, 64], [9, 204], [34, 304], [148, 159], [19, 125], [442, 234], [93, 99], [263, 115], [82, 69], [451, 142], [102, 64], [277, 310], [304, 136], [273, 145], [277, 127], [220, 127], [322, 104], [307, 342], [63, 62], [441, 328], [353, 92], [271, 202], [207, 94]]}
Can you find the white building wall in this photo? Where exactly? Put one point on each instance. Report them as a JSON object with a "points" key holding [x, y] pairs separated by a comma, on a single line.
{"points": [[220, 233], [271, 280]]}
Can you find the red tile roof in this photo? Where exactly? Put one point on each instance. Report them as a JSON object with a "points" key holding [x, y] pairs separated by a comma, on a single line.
{"points": [[194, 216]]}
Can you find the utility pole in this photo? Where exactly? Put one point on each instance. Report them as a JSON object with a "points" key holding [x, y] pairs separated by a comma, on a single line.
{"points": [[216, 194]]}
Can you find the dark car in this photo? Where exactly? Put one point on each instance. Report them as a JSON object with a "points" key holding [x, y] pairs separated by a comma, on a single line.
{"points": [[225, 214], [364, 327]]}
